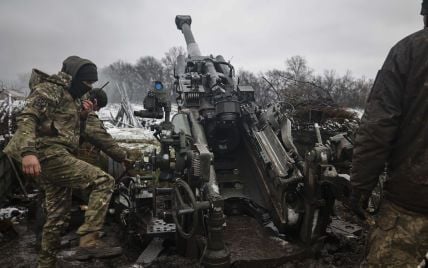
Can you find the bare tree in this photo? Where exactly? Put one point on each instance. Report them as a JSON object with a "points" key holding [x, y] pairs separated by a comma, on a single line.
{"points": [[297, 67], [149, 69], [121, 72], [170, 60], [263, 92]]}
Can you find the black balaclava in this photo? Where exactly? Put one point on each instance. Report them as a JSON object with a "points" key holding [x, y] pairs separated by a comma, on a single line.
{"points": [[80, 70]]}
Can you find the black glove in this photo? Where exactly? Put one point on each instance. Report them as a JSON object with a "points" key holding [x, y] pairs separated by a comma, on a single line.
{"points": [[357, 203]]}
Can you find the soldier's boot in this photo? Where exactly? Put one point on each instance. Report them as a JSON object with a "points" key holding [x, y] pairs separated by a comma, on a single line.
{"points": [[90, 246]]}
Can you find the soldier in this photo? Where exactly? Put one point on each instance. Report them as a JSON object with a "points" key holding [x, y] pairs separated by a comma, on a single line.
{"points": [[46, 142], [394, 130], [94, 136]]}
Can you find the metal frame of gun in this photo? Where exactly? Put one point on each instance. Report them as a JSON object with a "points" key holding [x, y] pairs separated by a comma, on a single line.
{"points": [[219, 133]]}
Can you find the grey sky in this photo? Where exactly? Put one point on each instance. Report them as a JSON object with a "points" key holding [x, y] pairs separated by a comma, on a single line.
{"points": [[256, 35]]}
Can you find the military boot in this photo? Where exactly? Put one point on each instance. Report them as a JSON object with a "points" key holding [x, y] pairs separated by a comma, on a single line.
{"points": [[90, 246]]}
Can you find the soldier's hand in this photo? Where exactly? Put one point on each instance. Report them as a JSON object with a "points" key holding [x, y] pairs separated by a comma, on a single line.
{"points": [[357, 203], [87, 105], [31, 165]]}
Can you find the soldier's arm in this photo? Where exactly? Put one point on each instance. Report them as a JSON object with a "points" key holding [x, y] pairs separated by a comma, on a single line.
{"points": [[96, 134], [380, 121], [40, 101]]}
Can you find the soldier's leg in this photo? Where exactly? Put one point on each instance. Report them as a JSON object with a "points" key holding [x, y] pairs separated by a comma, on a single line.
{"points": [[67, 171], [99, 200], [397, 239], [58, 203]]}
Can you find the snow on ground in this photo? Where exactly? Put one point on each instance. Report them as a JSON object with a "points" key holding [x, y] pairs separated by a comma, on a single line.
{"points": [[140, 138], [143, 137], [129, 134]]}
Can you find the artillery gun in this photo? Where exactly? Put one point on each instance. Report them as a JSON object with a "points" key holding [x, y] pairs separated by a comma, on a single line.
{"points": [[222, 156]]}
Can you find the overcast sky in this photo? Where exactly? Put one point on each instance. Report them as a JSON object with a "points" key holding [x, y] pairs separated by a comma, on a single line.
{"points": [[256, 35]]}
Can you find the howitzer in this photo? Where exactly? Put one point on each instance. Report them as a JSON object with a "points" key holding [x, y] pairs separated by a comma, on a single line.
{"points": [[226, 156]]}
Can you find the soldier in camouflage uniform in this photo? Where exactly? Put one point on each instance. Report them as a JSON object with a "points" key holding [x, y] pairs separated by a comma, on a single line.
{"points": [[394, 130], [94, 136], [46, 142]]}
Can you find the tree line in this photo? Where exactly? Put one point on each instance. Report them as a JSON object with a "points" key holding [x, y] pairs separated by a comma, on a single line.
{"points": [[295, 83], [298, 83], [138, 78]]}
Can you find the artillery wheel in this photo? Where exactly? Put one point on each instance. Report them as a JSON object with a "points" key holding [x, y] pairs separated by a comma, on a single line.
{"points": [[183, 204]]}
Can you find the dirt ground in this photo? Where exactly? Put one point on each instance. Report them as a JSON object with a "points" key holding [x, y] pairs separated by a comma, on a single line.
{"points": [[18, 249]]}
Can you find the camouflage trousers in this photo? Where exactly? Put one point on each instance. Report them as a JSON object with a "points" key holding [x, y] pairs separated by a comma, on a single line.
{"points": [[62, 172], [398, 239]]}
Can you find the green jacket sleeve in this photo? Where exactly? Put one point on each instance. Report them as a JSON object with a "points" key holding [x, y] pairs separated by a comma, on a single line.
{"points": [[39, 104], [96, 134], [381, 120]]}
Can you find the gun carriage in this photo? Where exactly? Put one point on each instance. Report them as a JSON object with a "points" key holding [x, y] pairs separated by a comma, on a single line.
{"points": [[220, 156]]}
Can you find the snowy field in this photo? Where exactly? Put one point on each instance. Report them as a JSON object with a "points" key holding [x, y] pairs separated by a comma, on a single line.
{"points": [[107, 115], [130, 137]]}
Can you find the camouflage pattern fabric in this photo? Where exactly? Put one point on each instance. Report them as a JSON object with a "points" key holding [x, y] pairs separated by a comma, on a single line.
{"points": [[95, 134], [37, 77], [49, 127], [62, 172], [50, 117], [91, 154], [399, 238]]}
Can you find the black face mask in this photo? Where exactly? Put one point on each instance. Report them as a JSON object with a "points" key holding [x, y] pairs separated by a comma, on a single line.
{"points": [[87, 72], [78, 89]]}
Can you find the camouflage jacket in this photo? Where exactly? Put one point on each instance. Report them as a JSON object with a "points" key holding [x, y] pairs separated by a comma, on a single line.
{"points": [[49, 121], [96, 134], [394, 127]]}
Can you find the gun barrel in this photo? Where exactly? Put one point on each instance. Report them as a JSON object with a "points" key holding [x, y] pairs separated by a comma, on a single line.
{"points": [[183, 23]]}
